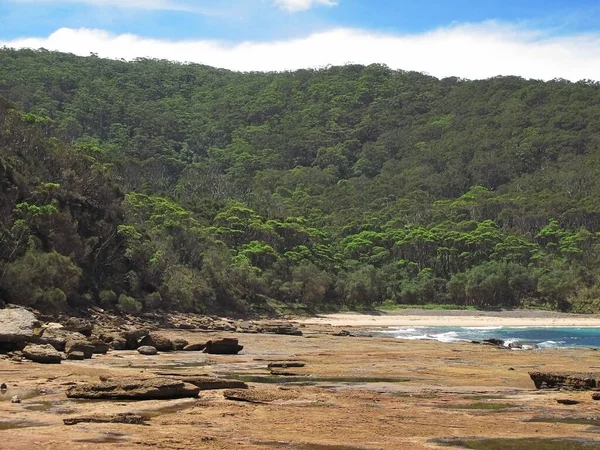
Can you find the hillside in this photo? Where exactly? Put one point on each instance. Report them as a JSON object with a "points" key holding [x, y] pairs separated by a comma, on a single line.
{"points": [[155, 185]]}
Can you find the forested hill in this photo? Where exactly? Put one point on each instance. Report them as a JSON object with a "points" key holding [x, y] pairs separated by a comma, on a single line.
{"points": [[156, 185]]}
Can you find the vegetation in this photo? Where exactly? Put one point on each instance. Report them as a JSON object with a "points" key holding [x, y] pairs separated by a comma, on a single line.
{"points": [[154, 185]]}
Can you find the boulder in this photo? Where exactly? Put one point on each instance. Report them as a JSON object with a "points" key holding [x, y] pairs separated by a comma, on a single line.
{"points": [[194, 347], [224, 346], [100, 347], [572, 381], [42, 353], [134, 389], [17, 325], [147, 350], [162, 343], [133, 336], [180, 344], [58, 337], [78, 325], [79, 346], [76, 356], [118, 344]]}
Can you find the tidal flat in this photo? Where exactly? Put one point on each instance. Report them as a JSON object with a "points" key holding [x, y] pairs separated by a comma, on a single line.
{"points": [[353, 392]]}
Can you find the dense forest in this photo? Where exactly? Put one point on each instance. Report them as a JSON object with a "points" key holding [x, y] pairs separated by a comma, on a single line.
{"points": [[151, 185]]}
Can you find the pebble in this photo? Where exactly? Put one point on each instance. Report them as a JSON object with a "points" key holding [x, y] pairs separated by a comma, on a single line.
{"points": [[3, 387], [15, 399]]}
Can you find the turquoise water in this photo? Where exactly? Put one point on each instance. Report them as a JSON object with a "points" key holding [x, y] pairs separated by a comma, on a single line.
{"points": [[542, 337]]}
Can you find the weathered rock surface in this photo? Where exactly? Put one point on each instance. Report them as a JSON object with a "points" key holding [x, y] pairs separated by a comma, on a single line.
{"points": [[147, 350], [194, 347], [42, 353], [285, 364], [206, 383], [128, 418], [160, 342], [17, 325], [254, 395], [58, 337], [133, 336], [135, 389], [82, 326], [596, 396], [76, 356], [574, 381], [180, 344], [281, 328], [224, 346], [100, 347], [79, 346], [567, 401]]}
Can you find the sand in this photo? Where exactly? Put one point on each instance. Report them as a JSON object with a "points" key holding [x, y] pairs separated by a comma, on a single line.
{"points": [[425, 318]]}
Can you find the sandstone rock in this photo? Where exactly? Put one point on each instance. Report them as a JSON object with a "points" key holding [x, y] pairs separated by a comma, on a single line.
{"points": [[194, 347], [574, 381], [127, 418], [44, 354], [100, 347], [162, 343], [254, 395], [135, 389], [17, 325], [78, 325], [79, 346], [15, 399], [147, 350], [76, 356], [285, 364], [567, 401], [58, 337], [180, 344], [281, 328], [224, 346], [206, 383], [118, 344], [133, 336]]}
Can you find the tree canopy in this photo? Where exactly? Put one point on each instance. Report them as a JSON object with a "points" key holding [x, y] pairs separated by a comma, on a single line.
{"points": [[156, 185]]}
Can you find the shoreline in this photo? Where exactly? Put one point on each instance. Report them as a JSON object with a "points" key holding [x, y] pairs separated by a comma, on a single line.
{"points": [[455, 318]]}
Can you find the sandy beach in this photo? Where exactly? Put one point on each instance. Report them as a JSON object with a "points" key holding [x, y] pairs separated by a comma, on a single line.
{"points": [[455, 318]]}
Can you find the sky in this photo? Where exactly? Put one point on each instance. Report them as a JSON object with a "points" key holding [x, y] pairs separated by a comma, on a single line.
{"points": [[541, 39]]}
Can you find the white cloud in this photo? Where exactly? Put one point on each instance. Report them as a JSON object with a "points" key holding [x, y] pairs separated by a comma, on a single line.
{"points": [[469, 51], [303, 5]]}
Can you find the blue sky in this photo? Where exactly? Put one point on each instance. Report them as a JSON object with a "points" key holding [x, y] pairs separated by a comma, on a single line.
{"points": [[403, 33]]}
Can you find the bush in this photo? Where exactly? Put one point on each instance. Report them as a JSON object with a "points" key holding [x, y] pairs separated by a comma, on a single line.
{"points": [[129, 305], [108, 299]]}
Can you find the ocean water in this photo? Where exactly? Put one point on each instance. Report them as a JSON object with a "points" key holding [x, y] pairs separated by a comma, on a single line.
{"points": [[541, 337]]}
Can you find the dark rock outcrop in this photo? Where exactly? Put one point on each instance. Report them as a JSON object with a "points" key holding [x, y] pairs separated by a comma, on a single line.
{"points": [[42, 353], [135, 389], [127, 418], [224, 346], [572, 381], [76, 356]]}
